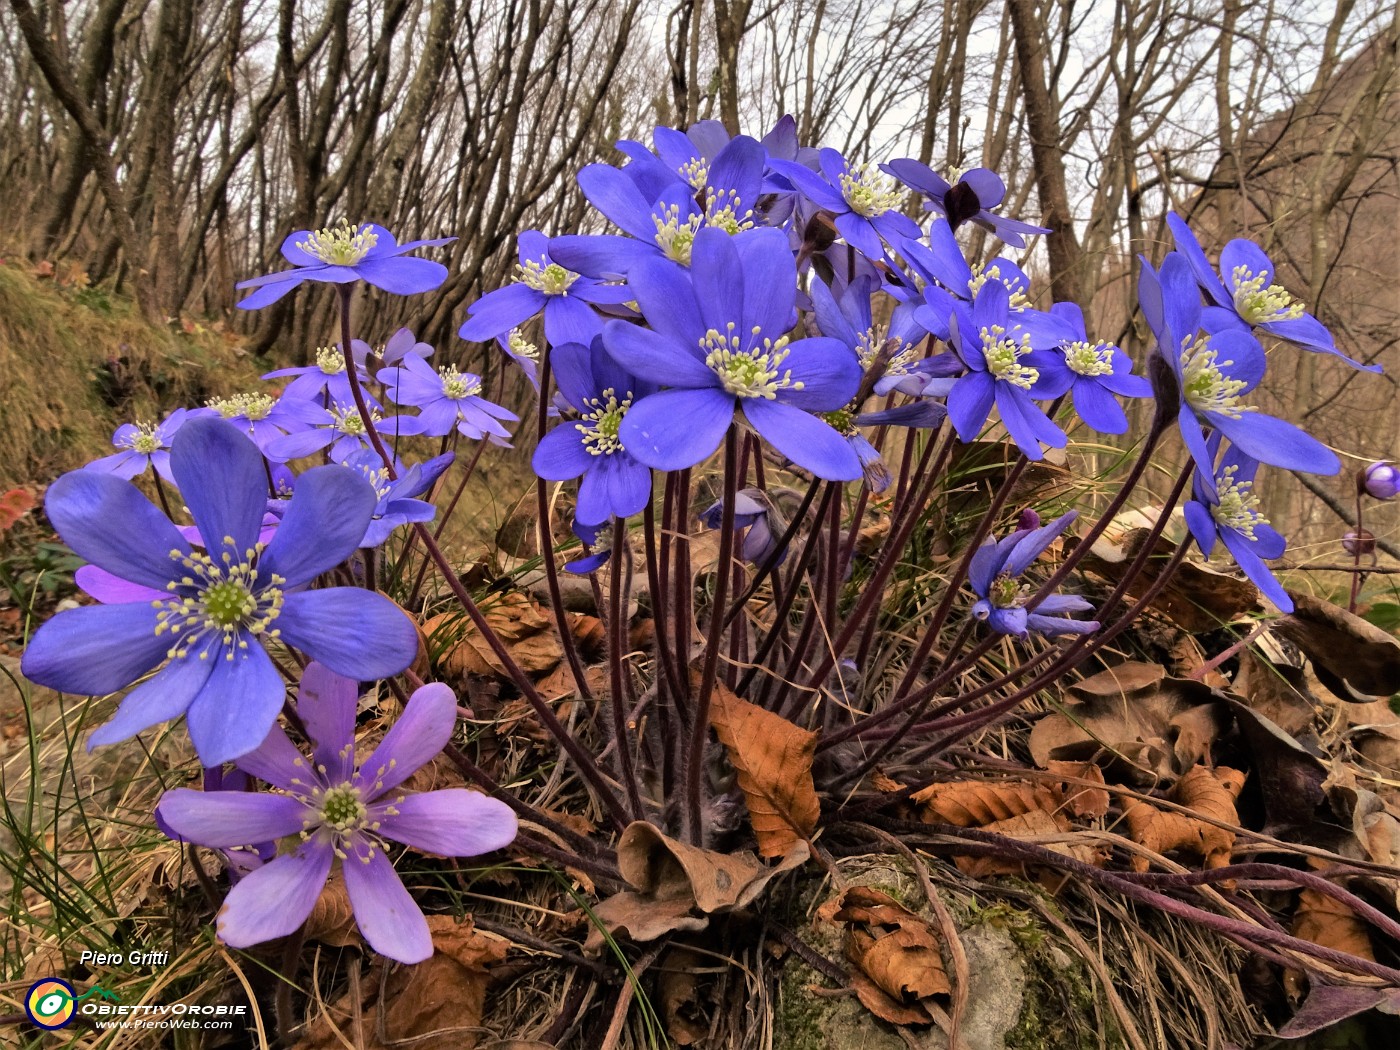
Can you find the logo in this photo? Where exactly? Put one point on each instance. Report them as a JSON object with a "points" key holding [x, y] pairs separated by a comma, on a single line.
{"points": [[50, 1002]]}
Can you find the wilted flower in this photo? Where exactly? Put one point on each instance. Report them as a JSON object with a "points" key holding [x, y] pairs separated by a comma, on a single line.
{"points": [[213, 608], [343, 811], [970, 198], [1359, 543], [1381, 480], [720, 343], [343, 254], [1004, 602]]}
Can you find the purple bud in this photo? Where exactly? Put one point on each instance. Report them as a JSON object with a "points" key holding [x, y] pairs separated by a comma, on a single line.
{"points": [[1360, 545], [1028, 520], [1381, 480]]}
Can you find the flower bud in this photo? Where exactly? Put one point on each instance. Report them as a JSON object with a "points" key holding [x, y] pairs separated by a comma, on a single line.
{"points": [[1027, 520], [1381, 480], [1359, 544]]}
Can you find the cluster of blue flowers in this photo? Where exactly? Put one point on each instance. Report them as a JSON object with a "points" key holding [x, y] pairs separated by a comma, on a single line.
{"points": [[754, 284]]}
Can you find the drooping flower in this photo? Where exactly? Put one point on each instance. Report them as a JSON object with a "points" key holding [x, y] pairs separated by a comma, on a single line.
{"points": [[1091, 372], [1004, 601], [343, 254], [596, 554], [397, 505], [342, 811], [542, 286], [866, 204], [719, 341], [145, 445], [1245, 294], [923, 414], [523, 352], [614, 484], [1214, 371], [995, 346], [970, 198], [216, 606], [1225, 508], [447, 399], [1381, 480], [757, 521], [404, 344]]}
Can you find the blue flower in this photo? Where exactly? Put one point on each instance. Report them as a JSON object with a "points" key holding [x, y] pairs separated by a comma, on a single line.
{"points": [[721, 343], [1003, 602], [1214, 372], [326, 380], [923, 414], [145, 445], [995, 345], [865, 203], [447, 400], [970, 199], [219, 605], [1225, 508], [1248, 297], [599, 390], [343, 254], [542, 286], [1093, 372], [756, 521], [265, 418], [396, 504], [941, 261], [893, 347]]}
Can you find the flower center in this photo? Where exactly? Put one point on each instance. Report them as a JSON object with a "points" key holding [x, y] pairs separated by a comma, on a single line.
{"points": [[348, 420], [873, 340], [1204, 386], [843, 421], [342, 809], [340, 245], [552, 279], [725, 211], [1238, 508], [1090, 359], [599, 425], [1011, 284], [1006, 592], [145, 440], [218, 597], [457, 385], [748, 373], [674, 237], [243, 406], [330, 360], [1003, 355], [869, 191], [1259, 303], [696, 172], [521, 347]]}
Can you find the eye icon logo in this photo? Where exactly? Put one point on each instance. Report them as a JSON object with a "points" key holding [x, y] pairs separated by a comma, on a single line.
{"points": [[49, 1003]]}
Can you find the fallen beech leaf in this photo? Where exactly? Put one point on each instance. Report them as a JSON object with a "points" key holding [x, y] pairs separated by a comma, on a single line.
{"points": [[1134, 718], [896, 950], [13, 506], [589, 634], [516, 619], [1196, 599], [332, 921], [1082, 800], [1211, 793], [672, 880], [679, 990], [1349, 654], [1030, 826], [974, 803], [1275, 691], [773, 760], [437, 1004]]}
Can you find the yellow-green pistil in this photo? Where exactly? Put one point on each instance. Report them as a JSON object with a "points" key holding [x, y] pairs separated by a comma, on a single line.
{"points": [[1090, 359], [869, 192], [222, 599], [600, 424], [1007, 592], [552, 279], [756, 372], [341, 244], [243, 406], [1003, 353], [1204, 386], [457, 385], [1259, 302], [144, 440], [1238, 508]]}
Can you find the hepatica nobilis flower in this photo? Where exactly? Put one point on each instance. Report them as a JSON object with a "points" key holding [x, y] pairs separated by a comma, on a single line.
{"points": [[590, 447], [202, 616], [865, 202], [344, 254], [447, 399], [342, 811], [994, 342], [326, 381], [1005, 603], [718, 339], [969, 198], [1094, 373], [145, 445], [1244, 293], [1225, 508], [1214, 371], [542, 286]]}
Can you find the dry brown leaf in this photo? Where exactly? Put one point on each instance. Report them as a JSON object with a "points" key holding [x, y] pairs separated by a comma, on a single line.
{"points": [[1133, 718], [14, 504], [1210, 793], [520, 623], [679, 990], [1276, 691], [1083, 800], [896, 950], [1035, 825], [590, 635], [672, 881], [1328, 922], [1196, 599], [773, 760], [974, 803], [332, 920], [1350, 655], [437, 1004]]}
